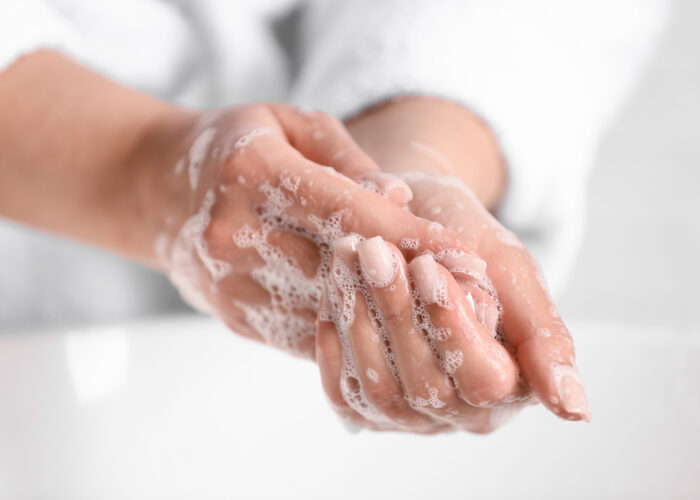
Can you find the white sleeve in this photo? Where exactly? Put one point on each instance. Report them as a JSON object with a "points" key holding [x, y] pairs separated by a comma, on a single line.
{"points": [[29, 25], [545, 75]]}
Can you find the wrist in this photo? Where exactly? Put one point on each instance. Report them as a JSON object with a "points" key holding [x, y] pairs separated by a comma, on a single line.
{"points": [[157, 198], [437, 137], [72, 154]]}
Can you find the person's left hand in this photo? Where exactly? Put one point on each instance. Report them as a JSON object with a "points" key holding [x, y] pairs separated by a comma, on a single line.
{"points": [[529, 328]]}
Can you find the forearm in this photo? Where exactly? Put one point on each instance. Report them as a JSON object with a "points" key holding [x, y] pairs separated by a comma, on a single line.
{"points": [[73, 154], [422, 133]]}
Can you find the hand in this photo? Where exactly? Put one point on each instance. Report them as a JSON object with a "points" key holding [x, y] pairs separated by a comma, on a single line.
{"points": [[532, 331], [240, 209], [531, 326], [413, 347], [250, 214]]}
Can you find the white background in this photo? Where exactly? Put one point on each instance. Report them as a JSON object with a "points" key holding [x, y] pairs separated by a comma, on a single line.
{"points": [[639, 260], [179, 409]]}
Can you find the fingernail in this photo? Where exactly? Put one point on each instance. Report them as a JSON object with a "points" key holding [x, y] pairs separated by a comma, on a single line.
{"points": [[344, 250], [377, 261], [384, 184], [429, 282], [572, 397], [346, 245]]}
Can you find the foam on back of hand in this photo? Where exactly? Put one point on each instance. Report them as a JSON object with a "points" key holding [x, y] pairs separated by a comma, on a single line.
{"points": [[290, 290], [284, 321]]}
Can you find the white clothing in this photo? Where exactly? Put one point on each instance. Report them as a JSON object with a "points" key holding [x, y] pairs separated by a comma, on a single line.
{"points": [[546, 76]]}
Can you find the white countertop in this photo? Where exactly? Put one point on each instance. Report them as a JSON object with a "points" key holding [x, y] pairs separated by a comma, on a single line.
{"points": [[181, 408]]}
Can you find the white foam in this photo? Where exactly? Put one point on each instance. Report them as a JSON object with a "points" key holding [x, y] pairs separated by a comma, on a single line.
{"points": [[433, 400], [411, 177], [180, 166], [543, 332], [291, 183], [460, 262], [246, 139], [383, 183], [197, 155], [188, 252], [409, 243], [452, 361], [553, 311], [470, 300], [435, 226], [280, 321], [509, 238]]}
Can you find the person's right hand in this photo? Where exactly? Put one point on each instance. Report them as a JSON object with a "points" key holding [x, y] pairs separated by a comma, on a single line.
{"points": [[254, 205]]}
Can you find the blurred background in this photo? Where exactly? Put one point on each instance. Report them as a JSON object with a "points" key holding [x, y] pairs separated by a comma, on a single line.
{"points": [[179, 408], [638, 262]]}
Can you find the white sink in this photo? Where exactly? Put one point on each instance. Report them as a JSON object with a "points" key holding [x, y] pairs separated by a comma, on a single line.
{"points": [[180, 408]]}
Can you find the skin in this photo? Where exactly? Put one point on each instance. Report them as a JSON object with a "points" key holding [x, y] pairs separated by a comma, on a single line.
{"points": [[122, 179], [446, 143]]}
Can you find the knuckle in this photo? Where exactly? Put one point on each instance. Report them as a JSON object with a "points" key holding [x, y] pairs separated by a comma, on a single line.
{"points": [[492, 388], [429, 399], [385, 397], [480, 397], [217, 241], [452, 404]]}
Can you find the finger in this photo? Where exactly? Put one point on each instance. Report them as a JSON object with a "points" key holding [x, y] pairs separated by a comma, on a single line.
{"points": [[469, 271], [469, 221], [532, 326], [329, 357], [312, 194], [324, 140], [428, 388], [548, 366], [547, 360], [375, 365], [482, 368]]}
